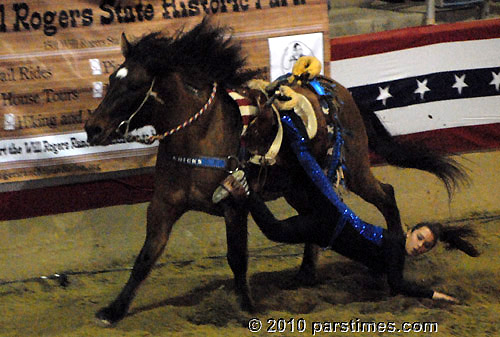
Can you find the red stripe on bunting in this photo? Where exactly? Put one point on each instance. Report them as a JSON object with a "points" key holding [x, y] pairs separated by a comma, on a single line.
{"points": [[454, 140], [376, 43], [461, 139]]}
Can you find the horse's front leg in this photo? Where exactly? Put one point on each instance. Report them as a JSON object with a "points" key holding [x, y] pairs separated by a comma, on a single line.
{"points": [[160, 220], [237, 252]]}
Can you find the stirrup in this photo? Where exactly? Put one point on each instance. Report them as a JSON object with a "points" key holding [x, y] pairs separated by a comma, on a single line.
{"points": [[225, 188]]}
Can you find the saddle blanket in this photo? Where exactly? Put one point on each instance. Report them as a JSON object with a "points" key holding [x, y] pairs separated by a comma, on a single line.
{"points": [[247, 109]]}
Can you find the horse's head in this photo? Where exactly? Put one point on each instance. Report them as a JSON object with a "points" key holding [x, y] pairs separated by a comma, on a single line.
{"points": [[184, 69], [128, 95]]}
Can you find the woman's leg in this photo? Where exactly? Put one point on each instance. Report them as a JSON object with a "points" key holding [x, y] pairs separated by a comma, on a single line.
{"points": [[316, 227], [296, 229]]}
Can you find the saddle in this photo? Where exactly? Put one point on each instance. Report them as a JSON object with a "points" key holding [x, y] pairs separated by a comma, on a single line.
{"points": [[295, 102], [281, 97]]}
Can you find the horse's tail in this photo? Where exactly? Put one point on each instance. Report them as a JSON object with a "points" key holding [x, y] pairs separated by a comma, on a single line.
{"points": [[413, 155]]}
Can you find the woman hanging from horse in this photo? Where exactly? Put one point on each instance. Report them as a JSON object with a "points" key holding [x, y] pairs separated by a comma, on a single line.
{"points": [[377, 248], [333, 225]]}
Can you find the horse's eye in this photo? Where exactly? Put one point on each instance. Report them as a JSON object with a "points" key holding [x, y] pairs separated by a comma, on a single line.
{"points": [[113, 79]]}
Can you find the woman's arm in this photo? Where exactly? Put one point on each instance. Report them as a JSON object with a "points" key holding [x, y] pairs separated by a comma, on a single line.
{"points": [[395, 259], [401, 286]]}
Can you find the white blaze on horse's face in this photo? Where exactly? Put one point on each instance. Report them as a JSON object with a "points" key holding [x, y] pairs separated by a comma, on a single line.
{"points": [[122, 73]]}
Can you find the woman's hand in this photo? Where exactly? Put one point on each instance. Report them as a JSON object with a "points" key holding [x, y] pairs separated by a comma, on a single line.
{"points": [[444, 297]]}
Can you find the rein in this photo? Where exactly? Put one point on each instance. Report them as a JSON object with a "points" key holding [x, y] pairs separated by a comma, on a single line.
{"points": [[191, 119], [152, 139]]}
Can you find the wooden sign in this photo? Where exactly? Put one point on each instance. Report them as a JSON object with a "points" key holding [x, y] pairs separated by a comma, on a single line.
{"points": [[55, 59]]}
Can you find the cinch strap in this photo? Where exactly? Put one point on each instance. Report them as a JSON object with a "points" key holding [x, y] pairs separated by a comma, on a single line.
{"points": [[207, 162]]}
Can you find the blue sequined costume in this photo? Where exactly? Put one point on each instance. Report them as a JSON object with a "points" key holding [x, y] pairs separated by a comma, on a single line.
{"points": [[332, 224], [300, 147]]}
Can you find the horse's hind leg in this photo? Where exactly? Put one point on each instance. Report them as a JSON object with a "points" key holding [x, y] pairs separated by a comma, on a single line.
{"points": [[359, 178], [301, 203], [237, 252], [363, 183], [307, 272], [160, 220]]}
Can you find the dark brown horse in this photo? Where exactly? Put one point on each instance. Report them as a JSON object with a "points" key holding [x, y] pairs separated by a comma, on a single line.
{"points": [[177, 84]]}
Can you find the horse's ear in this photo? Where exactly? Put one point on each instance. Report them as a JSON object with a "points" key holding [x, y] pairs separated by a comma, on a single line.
{"points": [[125, 45]]}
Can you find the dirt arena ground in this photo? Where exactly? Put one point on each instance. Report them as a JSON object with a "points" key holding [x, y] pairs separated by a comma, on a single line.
{"points": [[190, 292]]}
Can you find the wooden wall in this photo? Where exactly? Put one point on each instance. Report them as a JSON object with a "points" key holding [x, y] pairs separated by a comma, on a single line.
{"points": [[47, 82]]}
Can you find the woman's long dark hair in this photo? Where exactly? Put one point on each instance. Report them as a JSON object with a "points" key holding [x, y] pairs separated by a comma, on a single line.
{"points": [[452, 236]]}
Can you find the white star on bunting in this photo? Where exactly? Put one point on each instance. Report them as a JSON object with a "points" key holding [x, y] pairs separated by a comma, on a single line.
{"points": [[422, 88], [460, 83], [384, 94], [496, 80]]}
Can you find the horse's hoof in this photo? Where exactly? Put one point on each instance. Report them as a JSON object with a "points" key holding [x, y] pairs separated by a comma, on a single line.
{"points": [[103, 323], [247, 305], [107, 317], [249, 308]]}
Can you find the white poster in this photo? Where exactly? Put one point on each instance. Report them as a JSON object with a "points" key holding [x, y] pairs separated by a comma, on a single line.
{"points": [[285, 50], [28, 151]]}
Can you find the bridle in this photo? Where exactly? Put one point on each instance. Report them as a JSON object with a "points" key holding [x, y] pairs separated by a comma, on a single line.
{"points": [[151, 139], [149, 93], [229, 163]]}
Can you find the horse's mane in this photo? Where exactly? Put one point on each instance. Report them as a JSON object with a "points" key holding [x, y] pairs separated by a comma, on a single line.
{"points": [[205, 53]]}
